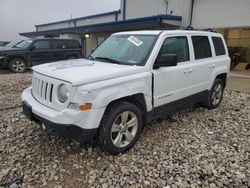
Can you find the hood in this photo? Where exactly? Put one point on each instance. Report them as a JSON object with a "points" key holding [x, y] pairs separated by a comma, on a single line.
{"points": [[7, 49], [83, 71]]}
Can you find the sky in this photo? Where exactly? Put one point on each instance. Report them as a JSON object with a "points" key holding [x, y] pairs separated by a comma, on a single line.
{"points": [[18, 16]]}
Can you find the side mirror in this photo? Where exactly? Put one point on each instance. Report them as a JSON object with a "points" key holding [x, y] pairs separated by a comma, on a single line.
{"points": [[166, 60], [32, 48]]}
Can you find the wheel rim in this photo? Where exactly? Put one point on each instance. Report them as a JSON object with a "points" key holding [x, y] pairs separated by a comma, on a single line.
{"points": [[217, 94], [18, 66], [124, 129]]}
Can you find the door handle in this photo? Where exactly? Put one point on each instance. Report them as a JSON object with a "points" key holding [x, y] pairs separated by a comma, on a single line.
{"points": [[189, 70], [212, 65]]}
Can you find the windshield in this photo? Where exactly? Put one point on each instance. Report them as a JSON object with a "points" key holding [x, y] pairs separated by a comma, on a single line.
{"points": [[125, 49], [12, 43], [24, 44]]}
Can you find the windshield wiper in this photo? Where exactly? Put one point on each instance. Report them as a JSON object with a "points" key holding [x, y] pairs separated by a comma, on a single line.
{"points": [[90, 58], [108, 60]]}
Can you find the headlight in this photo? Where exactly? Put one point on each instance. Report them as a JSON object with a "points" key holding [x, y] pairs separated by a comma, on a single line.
{"points": [[63, 93], [2, 57]]}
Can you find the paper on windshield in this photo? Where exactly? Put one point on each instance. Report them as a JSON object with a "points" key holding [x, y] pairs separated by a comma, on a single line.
{"points": [[135, 41]]}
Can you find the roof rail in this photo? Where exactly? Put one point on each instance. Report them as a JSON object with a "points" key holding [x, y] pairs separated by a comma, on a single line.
{"points": [[188, 28], [192, 29]]}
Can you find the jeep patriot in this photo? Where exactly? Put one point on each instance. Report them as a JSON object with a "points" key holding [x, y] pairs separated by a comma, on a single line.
{"points": [[128, 80]]}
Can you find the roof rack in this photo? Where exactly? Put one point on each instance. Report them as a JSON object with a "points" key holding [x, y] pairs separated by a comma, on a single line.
{"points": [[192, 29]]}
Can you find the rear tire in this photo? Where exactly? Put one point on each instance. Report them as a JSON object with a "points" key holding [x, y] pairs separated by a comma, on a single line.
{"points": [[120, 127], [215, 95], [17, 65]]}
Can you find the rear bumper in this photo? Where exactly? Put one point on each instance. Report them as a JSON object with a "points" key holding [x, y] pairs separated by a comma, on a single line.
{"points": [[67, 131]]}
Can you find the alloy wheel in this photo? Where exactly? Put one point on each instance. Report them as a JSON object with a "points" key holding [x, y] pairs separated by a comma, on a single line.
{"points": [[124, 129], [18, 66], [217, 94]]}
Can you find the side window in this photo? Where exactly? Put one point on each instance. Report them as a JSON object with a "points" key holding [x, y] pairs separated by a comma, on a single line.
{"points": [[202, 47], [178, 46], [218, 46], [72, 44], [42, 44], [59, 44]]}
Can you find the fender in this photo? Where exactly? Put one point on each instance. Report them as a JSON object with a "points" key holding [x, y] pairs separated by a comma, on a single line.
{"points": [[220, 70], [102, 93]]}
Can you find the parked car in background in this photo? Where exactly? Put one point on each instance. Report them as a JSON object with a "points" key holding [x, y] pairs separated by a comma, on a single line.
{"points": [[29, 53], [12, 44], [3, 43]]}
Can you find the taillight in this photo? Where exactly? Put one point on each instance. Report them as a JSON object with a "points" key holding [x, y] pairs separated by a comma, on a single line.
{"points": [[82, 52]]}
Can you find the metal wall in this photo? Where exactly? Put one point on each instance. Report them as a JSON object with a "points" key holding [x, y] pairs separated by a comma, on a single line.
{"points": [[221, 13], [144, 8], [80, 22]]}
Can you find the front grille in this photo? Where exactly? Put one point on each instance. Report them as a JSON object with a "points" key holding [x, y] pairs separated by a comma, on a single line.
{"points": [[42, 90]]}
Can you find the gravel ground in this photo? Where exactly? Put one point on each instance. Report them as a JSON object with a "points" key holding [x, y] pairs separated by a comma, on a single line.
{"points": [[195, 148]]}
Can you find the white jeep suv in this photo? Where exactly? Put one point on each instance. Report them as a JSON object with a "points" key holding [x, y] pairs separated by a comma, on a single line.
{"points": [[130, 79]]}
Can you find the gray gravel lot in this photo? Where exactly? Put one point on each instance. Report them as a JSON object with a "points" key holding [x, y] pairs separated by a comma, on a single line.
{"points": [[195, 148]]}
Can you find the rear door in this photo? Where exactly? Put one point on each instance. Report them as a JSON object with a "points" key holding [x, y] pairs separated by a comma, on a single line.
{"points": [[73, 49], [203, 61], [59, 50], [41, 52]]}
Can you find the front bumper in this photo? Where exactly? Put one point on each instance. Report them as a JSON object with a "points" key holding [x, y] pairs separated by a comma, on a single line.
{"points": [[67, 131], [3, 63], [77, 125]]}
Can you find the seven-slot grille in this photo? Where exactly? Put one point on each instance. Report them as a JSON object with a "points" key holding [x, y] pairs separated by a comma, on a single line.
{"points": [[42, 89]]}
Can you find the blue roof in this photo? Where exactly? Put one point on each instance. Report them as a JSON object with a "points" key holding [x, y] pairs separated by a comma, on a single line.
{"points": [[80, 18], [109, 25]]}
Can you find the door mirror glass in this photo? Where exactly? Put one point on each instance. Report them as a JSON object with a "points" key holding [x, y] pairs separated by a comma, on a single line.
{"points": [[166, 60]]}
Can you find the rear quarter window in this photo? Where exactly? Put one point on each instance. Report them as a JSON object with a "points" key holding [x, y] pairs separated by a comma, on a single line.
{"points": [[202, 47], [218, 46], [72, 44], [59, 44]]}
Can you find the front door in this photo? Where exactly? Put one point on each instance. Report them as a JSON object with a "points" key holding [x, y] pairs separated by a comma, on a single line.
{"points": [[173, 83], [40, 52]]}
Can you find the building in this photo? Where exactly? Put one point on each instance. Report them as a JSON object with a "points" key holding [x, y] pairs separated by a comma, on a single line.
{"points": [[221, 15]]}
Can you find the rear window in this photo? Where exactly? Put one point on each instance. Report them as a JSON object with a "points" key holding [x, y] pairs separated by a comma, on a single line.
{"points": [[59, 44], [218, 46], [72, 43], [65, 44], [202, 47]]}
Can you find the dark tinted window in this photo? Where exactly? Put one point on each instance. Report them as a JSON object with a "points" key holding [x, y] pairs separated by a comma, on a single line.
{"points": [[219, 46], [178, 46], [59, 44], [201, 47], [42, 44], [72, 43]]}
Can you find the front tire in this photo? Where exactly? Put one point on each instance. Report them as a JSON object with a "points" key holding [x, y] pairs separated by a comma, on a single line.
{"points": [[215, 94], [17, 65], [120, 127]]}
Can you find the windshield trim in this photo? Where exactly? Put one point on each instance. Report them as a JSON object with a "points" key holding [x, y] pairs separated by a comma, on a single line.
{"points": [[27, 41], [90, 57]]}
